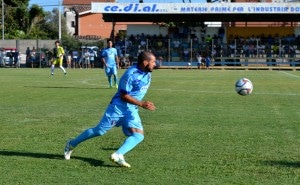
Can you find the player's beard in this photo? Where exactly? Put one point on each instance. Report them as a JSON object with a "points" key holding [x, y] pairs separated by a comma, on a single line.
{"points": [[148, 69]]}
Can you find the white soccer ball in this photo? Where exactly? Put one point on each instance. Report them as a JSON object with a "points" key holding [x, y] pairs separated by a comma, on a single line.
{"points": [[244, 86]]}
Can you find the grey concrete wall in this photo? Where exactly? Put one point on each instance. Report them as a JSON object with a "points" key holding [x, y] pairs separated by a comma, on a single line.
{"points": [[22, 45]]}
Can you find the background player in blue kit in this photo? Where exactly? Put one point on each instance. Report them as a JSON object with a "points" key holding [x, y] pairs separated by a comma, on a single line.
{"points": [[123, 110], [111, 63]]}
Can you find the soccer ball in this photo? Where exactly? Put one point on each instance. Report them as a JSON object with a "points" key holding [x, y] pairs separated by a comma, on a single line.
{"points": [[243, 86]]}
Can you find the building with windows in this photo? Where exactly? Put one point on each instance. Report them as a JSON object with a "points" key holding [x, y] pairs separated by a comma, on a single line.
{"points": [[90, 26]]}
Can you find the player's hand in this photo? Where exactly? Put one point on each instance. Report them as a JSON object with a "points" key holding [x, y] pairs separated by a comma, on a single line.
{"points": [[148, 105]]}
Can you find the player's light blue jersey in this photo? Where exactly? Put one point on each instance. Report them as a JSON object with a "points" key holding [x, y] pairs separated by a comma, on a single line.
{"points": [[109, 54], [134, 82]]}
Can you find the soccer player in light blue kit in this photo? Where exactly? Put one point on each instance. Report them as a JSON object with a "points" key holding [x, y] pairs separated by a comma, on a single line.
{"points": [[111, 63], [123, 110]]}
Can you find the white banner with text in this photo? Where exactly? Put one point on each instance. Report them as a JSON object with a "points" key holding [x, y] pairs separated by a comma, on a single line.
{"points": [[196, 8]]}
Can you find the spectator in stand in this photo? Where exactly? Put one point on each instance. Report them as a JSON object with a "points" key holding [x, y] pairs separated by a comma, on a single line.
{"points": [[28, 54], [270, 39], [292, 53], [160, 60], [143, 37], [221, 33], [232, 47], [32, 56], [252, 39], [11, 58], [208, 39], [176, 45], [215, 39], [186, 32], [75, 58], [92, 57], [81, 58], [143, 44], [207, 62], [86, 59], [192, 33], [195, 39], [246, 51], [268, 51], [199, 61], [16, 58], [186, 54], [251, 49], [260, 49], [159, 44], [275, 49], [69, 60], [132, 38], [203, 32], [2, 55]]}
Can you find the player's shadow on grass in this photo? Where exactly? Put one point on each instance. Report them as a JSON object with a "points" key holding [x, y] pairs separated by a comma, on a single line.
{"points": [[290, 164], [109, 148], [93, 162]]}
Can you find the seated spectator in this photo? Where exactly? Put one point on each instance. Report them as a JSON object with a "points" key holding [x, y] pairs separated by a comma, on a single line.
{"points": [[143, 43], [186, 54], [261, 49], [275, 50], [221, 33], [159, 44], [208, 39], [131, 38], [176, 43]]}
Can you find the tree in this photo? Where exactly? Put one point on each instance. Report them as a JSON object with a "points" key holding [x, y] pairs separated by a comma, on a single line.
{"points": [[15, 17], [36, 15], [22, 22]]}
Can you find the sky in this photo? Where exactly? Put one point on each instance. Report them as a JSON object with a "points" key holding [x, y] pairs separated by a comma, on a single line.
{"points": [[48, 5]]}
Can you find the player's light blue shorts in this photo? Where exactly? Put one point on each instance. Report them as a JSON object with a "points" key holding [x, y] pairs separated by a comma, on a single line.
{"points": [[115, 116], [111, 71]]}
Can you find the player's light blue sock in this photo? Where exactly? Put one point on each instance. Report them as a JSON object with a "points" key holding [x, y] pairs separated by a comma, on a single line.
{"points": [[109, 80], [116, 79], [85, 135], [130, 143]]}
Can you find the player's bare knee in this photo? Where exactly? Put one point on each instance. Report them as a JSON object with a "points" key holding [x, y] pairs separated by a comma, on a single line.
{"points": [[132, 130]]}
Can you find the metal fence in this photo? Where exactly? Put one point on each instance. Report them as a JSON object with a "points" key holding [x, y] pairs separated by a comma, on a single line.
{"points": [[253, 52]]}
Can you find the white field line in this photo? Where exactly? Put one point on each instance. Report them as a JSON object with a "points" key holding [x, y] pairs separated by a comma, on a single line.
{"points": [[223, 92], [295, 76], [86, 81]]}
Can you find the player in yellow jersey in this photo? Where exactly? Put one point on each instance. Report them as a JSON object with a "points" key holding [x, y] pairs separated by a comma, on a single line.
{"points": [[58, 53]]}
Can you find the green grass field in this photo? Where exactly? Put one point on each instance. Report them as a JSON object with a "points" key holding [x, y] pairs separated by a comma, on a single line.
{"points": [[201, 133]]}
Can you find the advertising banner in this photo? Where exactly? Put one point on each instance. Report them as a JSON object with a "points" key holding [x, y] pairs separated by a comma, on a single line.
{"points": [[196, 8]]}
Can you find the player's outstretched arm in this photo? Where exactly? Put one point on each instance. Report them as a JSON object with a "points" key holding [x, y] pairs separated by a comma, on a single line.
{"points": [[145, 104]]}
